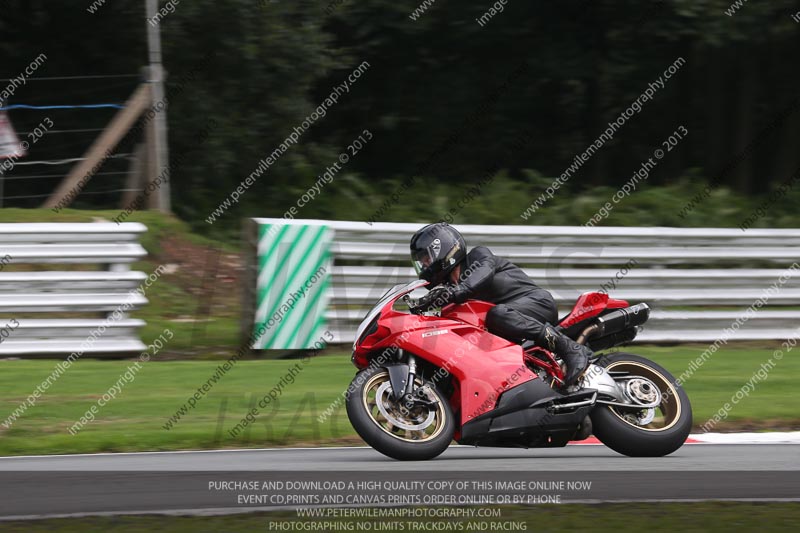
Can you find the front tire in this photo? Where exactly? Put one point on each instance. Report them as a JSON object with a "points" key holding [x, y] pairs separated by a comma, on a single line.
{"points": [[645, 433], [417, 435]]}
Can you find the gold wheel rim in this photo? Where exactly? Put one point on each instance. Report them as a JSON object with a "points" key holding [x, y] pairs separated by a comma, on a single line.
{"points": [[670, 407], [370, 398]]}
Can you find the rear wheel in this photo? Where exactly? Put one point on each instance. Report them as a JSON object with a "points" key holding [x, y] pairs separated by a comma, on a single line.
{"points": [[408, 434], [643, 432]]}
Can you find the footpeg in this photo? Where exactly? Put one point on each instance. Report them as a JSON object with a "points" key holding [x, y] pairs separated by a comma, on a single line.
{"points": [[584, 429]]}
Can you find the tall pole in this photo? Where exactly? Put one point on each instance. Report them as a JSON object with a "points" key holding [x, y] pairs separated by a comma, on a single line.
{"points": [[156, 79]]}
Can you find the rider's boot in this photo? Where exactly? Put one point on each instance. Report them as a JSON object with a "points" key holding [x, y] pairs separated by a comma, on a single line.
{"points": [[576, 356]]}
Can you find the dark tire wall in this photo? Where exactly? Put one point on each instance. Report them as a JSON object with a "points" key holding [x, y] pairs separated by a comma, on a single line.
{"points": [[627, 439]]}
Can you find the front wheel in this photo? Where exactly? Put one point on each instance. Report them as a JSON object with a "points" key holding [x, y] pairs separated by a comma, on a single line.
{"points": [[652, 432], [416, 434]]}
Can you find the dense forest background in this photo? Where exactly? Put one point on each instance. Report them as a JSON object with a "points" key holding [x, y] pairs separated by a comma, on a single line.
{"points": [[445, 98]]}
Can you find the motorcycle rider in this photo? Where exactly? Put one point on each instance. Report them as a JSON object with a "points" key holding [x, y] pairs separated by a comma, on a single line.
{"points": [[523, 310]]}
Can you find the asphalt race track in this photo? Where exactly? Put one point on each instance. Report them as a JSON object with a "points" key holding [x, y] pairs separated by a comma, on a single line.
{"points": [[183, 482]]}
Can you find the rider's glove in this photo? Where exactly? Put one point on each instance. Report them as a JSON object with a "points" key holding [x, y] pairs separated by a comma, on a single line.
{"points": [[459, 293], [437, 297]]}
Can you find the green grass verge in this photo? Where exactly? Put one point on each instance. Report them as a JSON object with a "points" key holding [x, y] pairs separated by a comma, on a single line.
{"points": [[711, 517], [135, 419]]}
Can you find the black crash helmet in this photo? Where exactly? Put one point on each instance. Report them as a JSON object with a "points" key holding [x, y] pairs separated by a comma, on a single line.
{"points": [[436, 249]]}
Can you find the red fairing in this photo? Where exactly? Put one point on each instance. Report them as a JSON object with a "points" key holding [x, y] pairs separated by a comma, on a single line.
{"points": [[484, 365], [472, 312], [590, 304]]}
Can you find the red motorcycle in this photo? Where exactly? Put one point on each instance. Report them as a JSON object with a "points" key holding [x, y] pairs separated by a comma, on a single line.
{"points": [[427, 378]]}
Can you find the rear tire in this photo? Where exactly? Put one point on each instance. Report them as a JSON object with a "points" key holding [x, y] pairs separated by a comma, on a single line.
{"points": [[615, 427], [369, 388]]}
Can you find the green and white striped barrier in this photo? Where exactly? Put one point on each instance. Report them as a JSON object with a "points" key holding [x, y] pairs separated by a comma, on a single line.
{"points": [[293, 285]]}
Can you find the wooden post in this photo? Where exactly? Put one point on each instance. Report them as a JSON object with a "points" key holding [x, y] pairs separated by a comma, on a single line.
{"points": [[156, 77], [135, 180], [151, 169]]}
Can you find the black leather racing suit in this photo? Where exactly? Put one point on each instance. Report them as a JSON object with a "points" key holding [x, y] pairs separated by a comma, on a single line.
{"points": [[522, 306]]}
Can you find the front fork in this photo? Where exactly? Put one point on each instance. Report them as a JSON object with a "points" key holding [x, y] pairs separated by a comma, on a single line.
{"points": [[402, 376], [412, 374]]}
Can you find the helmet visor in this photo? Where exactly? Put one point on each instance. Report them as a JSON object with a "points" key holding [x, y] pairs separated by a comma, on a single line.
{"points": [[421, 259]]}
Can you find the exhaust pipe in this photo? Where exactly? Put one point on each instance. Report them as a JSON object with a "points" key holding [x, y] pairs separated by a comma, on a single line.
{"points": [[624, 318], [615, 321]]}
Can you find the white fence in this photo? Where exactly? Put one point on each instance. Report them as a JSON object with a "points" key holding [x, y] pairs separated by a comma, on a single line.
{"points": [[55, 311], [698, 281]]}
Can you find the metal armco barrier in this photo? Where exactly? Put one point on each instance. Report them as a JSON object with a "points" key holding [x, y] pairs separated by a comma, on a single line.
{"points": [[697, 280], [55, 311]]}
